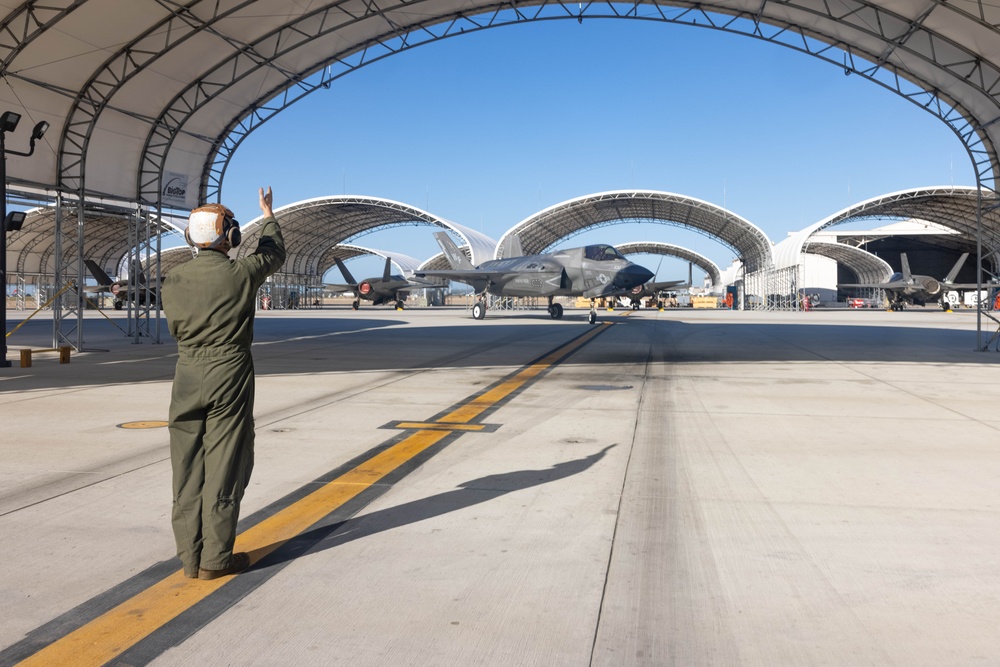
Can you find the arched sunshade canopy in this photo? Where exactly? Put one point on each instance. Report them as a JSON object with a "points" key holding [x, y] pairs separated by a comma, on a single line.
{"points": [[405, 264], [655, 248], [542, 231], [312, 227], [952, 207], [149, 99], [867, 267], [170, 259], [31, 251]]}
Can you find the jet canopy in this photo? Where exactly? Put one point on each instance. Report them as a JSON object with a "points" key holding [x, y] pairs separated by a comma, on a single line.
{"points": [[602, 252]]}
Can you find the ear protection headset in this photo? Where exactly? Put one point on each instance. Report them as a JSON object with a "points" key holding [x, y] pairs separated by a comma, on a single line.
{"points": [[211, 225]]}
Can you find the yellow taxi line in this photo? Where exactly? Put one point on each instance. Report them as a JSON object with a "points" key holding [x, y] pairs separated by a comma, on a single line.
{"points": [[120, 628]]}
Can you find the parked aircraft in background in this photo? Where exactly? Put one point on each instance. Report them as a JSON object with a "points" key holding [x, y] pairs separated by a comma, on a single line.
{"points": [[592, 271], [905, 288], [653, 289], [388, 288], [121, 290]]}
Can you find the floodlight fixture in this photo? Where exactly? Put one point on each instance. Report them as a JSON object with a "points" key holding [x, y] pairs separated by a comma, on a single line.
{"points": [[14, 220], [39, 131], [9, 121]]}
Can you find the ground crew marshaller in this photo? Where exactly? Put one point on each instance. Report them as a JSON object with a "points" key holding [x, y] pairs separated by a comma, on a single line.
{"points": [[209, 303]]}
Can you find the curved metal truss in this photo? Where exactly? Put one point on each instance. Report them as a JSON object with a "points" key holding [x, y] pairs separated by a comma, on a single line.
{"points": [[951, 207], [867, 268], [315, 226], [654, 248], [544, 230], [169, 259], [932, 57], [883, 31], [404, 263]]}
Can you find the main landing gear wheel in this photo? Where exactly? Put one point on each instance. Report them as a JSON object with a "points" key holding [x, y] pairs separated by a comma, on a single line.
{"points": [[399, 305], [556, 311], [479, 311], [593, 317], [355, 305]]}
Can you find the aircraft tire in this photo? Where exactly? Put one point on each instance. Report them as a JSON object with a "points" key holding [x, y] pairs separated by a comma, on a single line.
{"points": [[556, 311], [593, 317], [479, 311], [399, 305], [355, 305]]}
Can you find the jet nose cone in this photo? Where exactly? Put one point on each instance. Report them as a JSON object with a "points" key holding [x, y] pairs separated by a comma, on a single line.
{"points": [[633, 275]]}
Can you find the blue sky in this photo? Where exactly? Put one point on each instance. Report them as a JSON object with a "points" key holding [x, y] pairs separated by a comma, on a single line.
{"points": [[488, 128]]}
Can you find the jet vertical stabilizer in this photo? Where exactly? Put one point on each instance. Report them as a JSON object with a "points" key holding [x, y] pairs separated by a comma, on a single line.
{"points": [[958, 267], [512, 246], [456, 257], [343, 270], [907, 276]]}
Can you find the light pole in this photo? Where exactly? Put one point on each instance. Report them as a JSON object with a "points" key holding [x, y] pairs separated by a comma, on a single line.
{"points": [[8, 123]]}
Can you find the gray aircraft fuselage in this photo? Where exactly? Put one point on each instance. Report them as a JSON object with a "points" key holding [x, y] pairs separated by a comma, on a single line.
{"points": [[563, 273]]}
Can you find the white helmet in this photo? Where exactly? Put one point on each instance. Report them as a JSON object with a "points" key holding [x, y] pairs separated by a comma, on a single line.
{"points": [[211, 225]]}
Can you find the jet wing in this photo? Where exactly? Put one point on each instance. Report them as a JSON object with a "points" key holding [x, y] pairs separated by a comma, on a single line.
{"points": [[340, 288], [471, 276], [666, 284], [871, 285], [424, 284]]}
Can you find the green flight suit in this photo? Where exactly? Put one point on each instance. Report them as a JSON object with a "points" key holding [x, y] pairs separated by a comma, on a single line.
{"points": [[209, 303]]}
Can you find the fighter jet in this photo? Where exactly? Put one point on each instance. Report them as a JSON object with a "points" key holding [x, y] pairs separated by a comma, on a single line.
{"points": [[378, 290], [591, 272], [652, 289], [121, 290], [906, 288]]}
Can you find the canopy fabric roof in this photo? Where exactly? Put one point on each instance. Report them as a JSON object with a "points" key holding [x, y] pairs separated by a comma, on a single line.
{"points": [[170, 259], [312, 228], [867, 267], [31, 251], [148, 99], [653, 248], [541, 231], [952, 207]]}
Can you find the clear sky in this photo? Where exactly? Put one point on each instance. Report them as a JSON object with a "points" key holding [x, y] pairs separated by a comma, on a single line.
{"points": [[488, 128]]}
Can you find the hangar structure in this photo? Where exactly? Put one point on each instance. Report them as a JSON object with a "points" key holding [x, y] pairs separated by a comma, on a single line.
{"points": [[148, 101], [543, 230], [315, 231], [710, 268], [953, 208], [867, 267], [46, 255]]}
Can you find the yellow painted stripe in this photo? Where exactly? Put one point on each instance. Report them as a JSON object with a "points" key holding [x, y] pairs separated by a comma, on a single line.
{"points": [[114, 632], [445, 427], [466, 413], [122, 627]]}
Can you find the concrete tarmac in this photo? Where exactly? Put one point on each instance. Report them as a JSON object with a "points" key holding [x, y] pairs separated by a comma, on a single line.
{"points": [[673, 488]]}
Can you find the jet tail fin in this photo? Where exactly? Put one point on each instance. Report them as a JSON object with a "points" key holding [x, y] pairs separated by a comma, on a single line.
{"points": [[387, 272], [99, 275], [958, 267], [906, 266], [344, 272], [512, 246], [455, 257]]}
